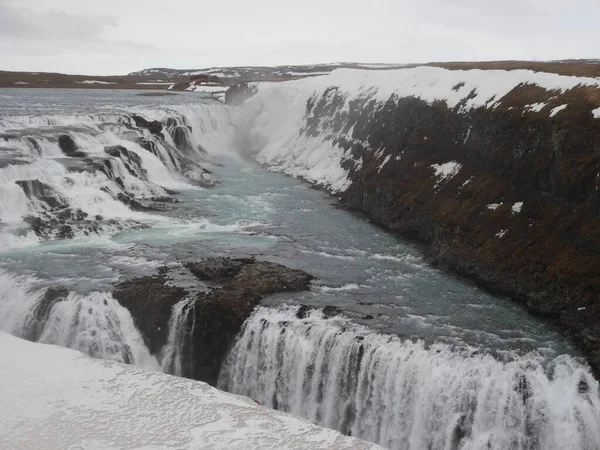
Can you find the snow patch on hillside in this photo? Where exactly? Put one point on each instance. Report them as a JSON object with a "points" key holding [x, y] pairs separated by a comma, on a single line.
{"points": [[517, 207], [446, 171], [94, 82], [55, 398], [558, 109]]}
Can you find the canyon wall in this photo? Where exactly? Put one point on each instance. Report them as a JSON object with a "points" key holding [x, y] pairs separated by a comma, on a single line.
{"points": [[497, 172]]}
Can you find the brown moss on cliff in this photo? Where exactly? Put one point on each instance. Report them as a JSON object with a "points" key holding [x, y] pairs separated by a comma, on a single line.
{"points": [[547, 255]]}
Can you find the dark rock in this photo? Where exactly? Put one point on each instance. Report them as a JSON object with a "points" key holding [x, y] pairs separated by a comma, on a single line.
{"points": [[303, 312], [155, 127], [37, 319], [331, 311], [238, 94], [131, 160], [42, 192], [218, 315], [182, 138], [150, 300], [69, 147], [136, 205], [218, 269]]}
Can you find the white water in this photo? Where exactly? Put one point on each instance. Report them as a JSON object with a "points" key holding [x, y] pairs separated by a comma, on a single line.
{"points": [[173, 353], [94, 323], [404, 395]]}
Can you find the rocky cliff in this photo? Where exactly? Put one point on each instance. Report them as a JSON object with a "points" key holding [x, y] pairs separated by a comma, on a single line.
{"points": [[496, 171], [222, 297]]}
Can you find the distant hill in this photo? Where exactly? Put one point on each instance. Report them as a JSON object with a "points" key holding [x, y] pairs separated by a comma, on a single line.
{"points": [[216, 80]]}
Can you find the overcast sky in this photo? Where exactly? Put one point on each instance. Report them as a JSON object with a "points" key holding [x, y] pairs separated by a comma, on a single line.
{"points": [[121, 36]]}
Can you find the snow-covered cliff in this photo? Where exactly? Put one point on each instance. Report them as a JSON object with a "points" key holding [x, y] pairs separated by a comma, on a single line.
{"points": [[498, 171]]}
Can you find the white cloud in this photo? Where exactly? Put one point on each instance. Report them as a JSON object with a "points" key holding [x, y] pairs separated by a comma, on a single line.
{"points": [[79, 35]]}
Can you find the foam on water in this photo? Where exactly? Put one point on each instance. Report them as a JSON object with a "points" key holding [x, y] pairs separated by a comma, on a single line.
{"points": [[95, 323], [405, 395]]}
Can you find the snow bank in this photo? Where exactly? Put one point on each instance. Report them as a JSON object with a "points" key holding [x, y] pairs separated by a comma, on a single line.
{"points": [[55, 398], [94, 82], [276, 116]]}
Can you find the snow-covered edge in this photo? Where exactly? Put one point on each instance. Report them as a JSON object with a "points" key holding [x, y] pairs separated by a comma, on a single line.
{"points": [[56, 398]]}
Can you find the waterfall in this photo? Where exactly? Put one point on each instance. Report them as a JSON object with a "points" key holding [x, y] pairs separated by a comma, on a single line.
{"points": [[405, 395], [179, 337], [93, 323], [65, 176]]}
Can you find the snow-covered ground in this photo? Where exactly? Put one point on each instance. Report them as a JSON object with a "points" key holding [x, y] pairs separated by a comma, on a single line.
{"points": [[55, 398]]}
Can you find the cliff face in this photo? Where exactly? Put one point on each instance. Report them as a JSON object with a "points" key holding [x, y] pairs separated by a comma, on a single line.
{"points": [[225, 295], [503, 187]]}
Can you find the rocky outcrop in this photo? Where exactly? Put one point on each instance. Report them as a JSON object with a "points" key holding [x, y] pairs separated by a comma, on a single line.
{"points": [[69, 147], [153, 126], [506, 196], [35, 189], [150, 300], [228, 291], [131, 161], [239, 93]]}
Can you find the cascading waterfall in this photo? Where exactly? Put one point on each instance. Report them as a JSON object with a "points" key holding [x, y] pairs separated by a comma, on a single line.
{"points": [[72, 175], [94, 323], [179, 337], [404, 395], [94, 173]]}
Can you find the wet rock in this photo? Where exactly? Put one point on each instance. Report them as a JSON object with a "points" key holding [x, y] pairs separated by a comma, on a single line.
{"points": [[182, 138], [35, 189], [150, 300], [239, 93], [155, 127], [303, 312], [218, 269], [218, 315], [331, 311], [69, 147], [137, 205], [132, 162], [38, 317]]}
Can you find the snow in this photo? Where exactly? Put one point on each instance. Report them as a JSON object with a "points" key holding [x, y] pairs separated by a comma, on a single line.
{"points": [[21, 82], [56, 398], [516, 208], [94, 82], [155, 83], [501, 234], [535, 107], [274, 116], [558, 109], [432, 84], [385, 161], [494, 206], [203, 88], [446, 171], [596, 113]]}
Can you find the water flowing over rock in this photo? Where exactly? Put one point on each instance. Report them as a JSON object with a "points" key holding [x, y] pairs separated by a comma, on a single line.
{"points": [[405, 395], [488, 169], [213, 317]]}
